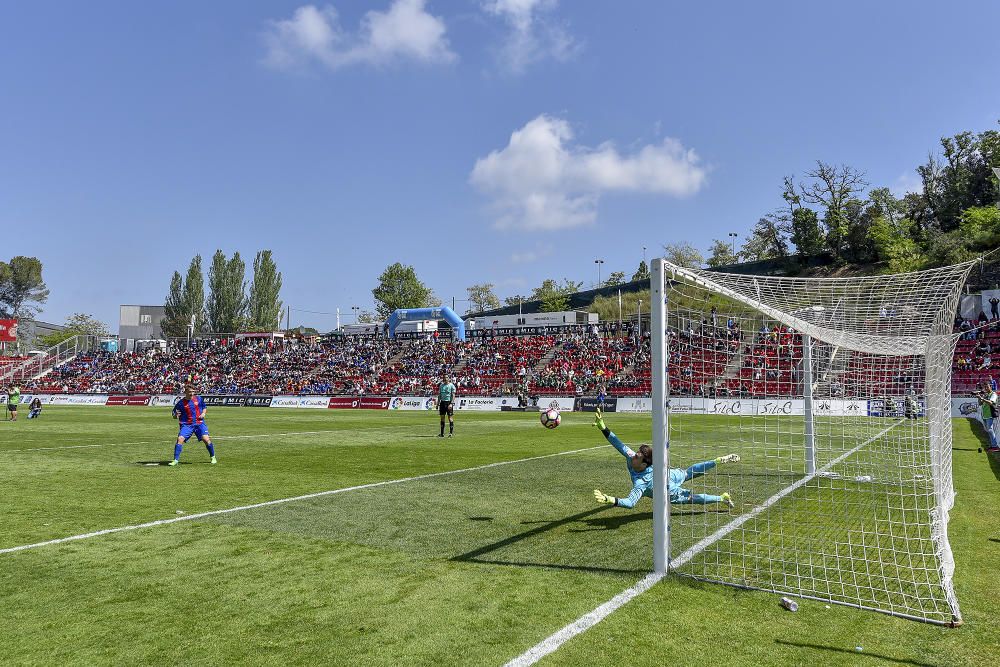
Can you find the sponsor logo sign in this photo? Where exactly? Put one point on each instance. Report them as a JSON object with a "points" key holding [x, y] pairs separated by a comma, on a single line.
{"points": [[343, 402], [373, 403], [214, 400], [590, 404], [128, 400], [8, 331], [729, 407], [477, 403], [167, 399], [635, 405], [284, 401], [313, 402], [780, 406], [409, 403], [560, 403]]}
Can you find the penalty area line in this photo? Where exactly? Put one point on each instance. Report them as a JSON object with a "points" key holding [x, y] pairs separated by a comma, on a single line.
{"points": [[551, 643], [282, 501], [169, 442]]}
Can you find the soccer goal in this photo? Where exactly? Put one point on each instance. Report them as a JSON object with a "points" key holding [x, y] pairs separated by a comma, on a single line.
{"points": [[835, 394]]}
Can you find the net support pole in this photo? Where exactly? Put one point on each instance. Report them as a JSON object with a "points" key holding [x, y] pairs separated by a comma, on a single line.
{"points": [[807, 394], [661, 444]]}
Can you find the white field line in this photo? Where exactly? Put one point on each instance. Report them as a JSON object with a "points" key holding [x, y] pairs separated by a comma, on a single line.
{"points": [[587, 621], [282, 501], [168, 441]]}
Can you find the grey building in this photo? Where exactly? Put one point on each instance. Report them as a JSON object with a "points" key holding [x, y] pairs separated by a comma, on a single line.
{"points": [[140, 322]]}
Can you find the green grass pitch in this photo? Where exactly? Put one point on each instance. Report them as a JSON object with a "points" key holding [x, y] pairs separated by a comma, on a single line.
{"points": [[468, 568]]}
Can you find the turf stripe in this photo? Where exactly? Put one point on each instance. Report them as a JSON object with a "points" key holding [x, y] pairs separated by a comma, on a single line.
{"points": [[587, 621], [282, 501], [162, 440]]}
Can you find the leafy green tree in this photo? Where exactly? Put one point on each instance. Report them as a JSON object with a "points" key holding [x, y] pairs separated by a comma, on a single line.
{"points": [[175, 320], [482, 297], [399, 287], [616, 278], [227, 302], [264, 307], [721, 254], [806, 233], [769, 238], [77, 324], [832, 187], [962, 180], [550, 288], [858, 248], [642, 273], [895, 246], [194, 295], [21, 287], [515, 300], [367, 317], [683, 254]]}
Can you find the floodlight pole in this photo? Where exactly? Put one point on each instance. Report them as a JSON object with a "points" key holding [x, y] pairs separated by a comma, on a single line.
{"points": [[660, 349], [807, 394]]}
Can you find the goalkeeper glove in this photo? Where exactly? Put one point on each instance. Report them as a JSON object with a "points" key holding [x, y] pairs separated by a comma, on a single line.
{"points": [[603, 499], [599, 420]]}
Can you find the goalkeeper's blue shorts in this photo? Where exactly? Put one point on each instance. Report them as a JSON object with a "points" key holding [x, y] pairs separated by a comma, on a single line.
{"points": [[187, 430]]}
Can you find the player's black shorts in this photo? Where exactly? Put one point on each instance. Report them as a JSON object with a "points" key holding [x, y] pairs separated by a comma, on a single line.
{"points": [[446, 408], [12, 407]]}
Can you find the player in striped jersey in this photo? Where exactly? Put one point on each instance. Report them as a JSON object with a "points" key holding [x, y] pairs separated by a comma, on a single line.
{"points": [[190, 411], [640, 469]]}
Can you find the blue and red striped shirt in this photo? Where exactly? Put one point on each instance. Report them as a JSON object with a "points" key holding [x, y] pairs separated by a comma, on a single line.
{"points": [[190, 412]]}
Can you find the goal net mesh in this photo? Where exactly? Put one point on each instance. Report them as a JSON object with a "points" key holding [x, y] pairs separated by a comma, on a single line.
{"points": [[835, 394]]}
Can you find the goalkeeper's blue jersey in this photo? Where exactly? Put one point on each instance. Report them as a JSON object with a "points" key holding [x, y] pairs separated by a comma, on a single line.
{"points": [[642, 482]]}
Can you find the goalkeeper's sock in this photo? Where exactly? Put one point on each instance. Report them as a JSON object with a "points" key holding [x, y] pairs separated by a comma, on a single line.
{"points": [[177, 452]]}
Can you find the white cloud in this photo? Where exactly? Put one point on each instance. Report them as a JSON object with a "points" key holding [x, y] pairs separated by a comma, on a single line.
{"points": [[908, 181], [404, 31], [540, 180], [528, 256], [532, 36]]}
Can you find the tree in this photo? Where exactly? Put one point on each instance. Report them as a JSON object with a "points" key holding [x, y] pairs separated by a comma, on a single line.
{"points": [[399, 287], [683, 254], [227, 302], [515, 300], [194, 295], [806, 233], [769, 238], [722, 254], [175, 320], [77, 324], [642, 273], [550, 288], [482, 297], [832, 187], [264, 306], [21, 286], [367, 317], [554, 303], [895, 246], [963, 180], [616, 278]]}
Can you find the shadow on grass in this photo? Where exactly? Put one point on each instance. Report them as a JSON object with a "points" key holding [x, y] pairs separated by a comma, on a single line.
{"points": [[993, 539], [474, 556], [860, 654], [160, 463], [979, 430]]}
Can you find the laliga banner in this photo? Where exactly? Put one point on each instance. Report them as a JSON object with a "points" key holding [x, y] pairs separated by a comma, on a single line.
{"points": [[8, 331], [412, 403]]}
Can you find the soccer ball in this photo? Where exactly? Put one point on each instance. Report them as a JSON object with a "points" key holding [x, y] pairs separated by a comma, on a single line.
{"points": [[551, 418]]}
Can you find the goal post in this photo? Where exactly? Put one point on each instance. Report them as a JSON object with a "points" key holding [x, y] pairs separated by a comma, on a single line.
{"points": [[835, 395]]}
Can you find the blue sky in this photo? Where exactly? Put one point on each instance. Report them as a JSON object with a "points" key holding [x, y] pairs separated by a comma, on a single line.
{"points": [[502, 141]]}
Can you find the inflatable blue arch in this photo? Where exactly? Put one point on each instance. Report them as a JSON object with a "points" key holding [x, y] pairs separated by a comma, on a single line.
{"points": [[441, 313]]}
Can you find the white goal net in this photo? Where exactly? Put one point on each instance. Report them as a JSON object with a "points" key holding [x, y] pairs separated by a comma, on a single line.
{"points": [[835, 394]]}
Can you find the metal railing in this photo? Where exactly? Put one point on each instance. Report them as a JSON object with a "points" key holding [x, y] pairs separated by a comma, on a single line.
{"points": [[40, 364]]}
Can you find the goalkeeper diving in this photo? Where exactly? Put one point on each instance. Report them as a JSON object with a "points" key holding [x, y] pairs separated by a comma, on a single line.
{"points": [[640, 469]]}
